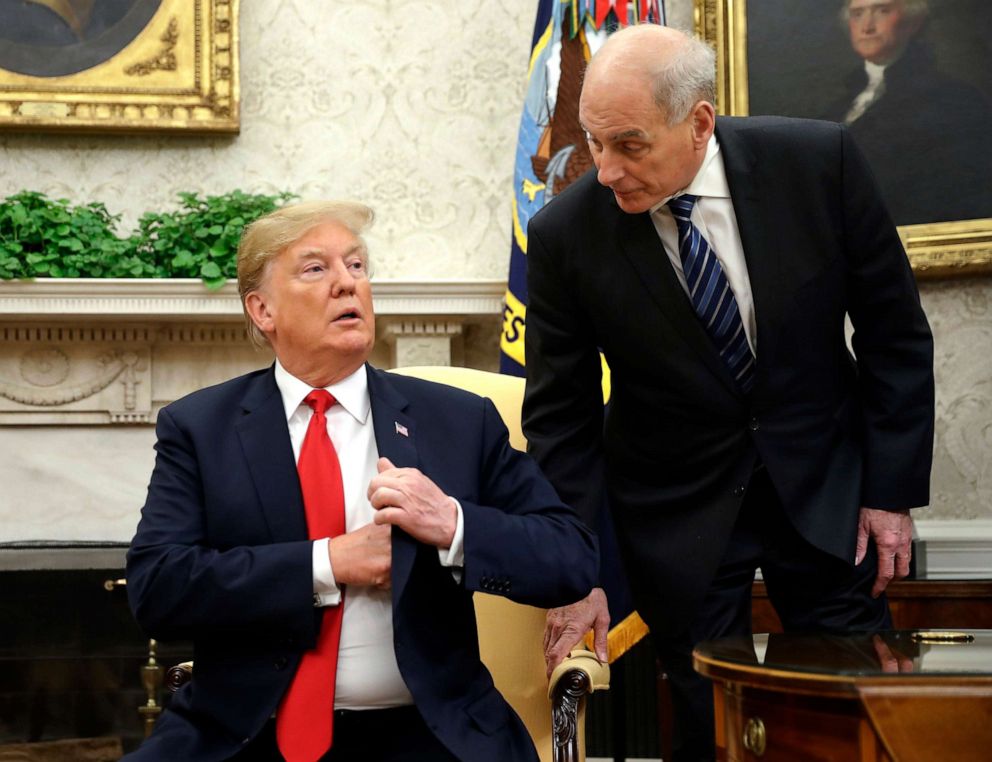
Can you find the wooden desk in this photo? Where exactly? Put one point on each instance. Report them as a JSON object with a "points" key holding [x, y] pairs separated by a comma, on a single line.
{"points": [[868, 698]]}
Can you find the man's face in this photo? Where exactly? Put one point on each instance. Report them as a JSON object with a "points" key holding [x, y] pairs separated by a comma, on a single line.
{"points": [[315, 305], [879, 29], [637, 155]]}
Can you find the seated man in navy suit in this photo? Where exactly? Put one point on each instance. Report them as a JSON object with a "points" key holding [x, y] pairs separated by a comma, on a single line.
{"points": [[317, 529]]}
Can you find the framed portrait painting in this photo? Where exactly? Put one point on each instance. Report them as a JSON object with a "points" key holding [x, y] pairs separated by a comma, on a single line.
{"points": [[912, 80], [106, 65]]}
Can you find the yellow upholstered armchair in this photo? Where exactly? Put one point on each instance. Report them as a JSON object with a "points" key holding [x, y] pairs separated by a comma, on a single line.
{"points": [[511, 634]]}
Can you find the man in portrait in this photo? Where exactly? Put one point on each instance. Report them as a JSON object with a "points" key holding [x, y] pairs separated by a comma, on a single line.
{"points": [[923, 131], [55, 38]]}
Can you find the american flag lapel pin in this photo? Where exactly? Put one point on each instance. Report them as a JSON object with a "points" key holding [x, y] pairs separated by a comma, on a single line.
{"points": [[401, 429]]}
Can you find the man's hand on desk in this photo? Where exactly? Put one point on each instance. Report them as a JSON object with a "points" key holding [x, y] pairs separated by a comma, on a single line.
{"points": [[892, 532], [363, 557], [567, 625], [406, 498]]}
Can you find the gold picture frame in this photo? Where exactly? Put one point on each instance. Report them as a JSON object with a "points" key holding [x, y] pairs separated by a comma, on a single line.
{"points": [[940, 249], [175, 68]]}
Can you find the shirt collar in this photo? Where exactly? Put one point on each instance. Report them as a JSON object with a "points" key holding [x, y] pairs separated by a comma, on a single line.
{"points": [[875, 72], [710, 180], [352, 393]]}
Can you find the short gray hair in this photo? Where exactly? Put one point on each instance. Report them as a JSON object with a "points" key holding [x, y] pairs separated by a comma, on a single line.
{"points": [[912, 8], [687, 77], [266, 237]]}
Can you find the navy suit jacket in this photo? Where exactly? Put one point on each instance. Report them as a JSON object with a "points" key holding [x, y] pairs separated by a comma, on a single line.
{"points": [[679, 441], [221, 557]]}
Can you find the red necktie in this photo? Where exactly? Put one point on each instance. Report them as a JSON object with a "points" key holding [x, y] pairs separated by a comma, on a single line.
{"points": [[305, 720]]}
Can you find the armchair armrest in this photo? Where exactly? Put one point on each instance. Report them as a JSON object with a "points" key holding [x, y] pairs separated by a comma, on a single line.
{"points": [[178, 676], [579, 674]]}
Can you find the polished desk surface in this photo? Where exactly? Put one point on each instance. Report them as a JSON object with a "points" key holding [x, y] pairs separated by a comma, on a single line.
{"points": [[896, 695], [899, 654]]}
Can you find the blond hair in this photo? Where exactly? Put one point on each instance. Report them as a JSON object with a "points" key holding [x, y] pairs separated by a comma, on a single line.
{"points": [[266, 237]]}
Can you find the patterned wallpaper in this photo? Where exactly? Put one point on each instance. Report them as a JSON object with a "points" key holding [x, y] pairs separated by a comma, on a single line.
{"points": [[960, 314], [412, 106]]}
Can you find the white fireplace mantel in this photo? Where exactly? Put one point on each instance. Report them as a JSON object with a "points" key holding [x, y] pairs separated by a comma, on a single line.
{"points": [[188, 299], [90, 351], [85, 366]]}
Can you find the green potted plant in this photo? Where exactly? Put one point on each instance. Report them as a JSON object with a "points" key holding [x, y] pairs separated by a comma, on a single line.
{"points": [[45, 238]]}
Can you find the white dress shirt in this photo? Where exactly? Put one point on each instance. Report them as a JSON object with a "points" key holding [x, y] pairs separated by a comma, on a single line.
{"points": [[714, 215], [368, 676]]}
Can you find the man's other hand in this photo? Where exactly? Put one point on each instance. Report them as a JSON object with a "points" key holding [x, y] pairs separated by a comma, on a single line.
{"points": [[567, 625], [363, 557], [892, 532], [406, 498]]}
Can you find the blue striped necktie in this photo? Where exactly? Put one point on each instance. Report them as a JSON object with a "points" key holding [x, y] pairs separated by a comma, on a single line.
{"points": [[711, 294]]}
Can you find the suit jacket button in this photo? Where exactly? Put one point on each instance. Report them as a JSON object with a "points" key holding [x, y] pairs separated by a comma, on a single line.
{"points": [[753, 424], [281, 662], [739, 490]]}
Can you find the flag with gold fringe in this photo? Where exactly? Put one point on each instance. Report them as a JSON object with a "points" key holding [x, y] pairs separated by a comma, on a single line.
{"points": [[551, 154]]}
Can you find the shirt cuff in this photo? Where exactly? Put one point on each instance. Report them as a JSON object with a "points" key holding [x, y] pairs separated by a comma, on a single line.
{"points": [[325, 587], [454, 556]]}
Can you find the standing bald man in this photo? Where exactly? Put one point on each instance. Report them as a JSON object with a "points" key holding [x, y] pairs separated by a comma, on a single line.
{"points": [[713, 262]]}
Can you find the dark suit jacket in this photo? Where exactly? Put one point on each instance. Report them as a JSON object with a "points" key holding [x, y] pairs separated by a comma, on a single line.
{"points": [[221, 557], [926, 140], [679, 441]]}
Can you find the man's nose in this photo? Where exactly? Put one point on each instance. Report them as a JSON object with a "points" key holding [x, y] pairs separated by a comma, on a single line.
{"points": [[342, 280], [609, 169]]}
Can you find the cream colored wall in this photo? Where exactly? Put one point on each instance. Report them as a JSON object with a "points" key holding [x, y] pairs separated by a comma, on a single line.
{"points": [[409, 105], [413, 107]]}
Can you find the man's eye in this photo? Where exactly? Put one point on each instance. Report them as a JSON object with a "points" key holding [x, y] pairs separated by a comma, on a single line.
{"points": [[313, 268]]}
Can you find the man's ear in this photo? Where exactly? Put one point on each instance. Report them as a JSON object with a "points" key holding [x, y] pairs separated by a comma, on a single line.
{"points": [[702, 119], [257, 307]]}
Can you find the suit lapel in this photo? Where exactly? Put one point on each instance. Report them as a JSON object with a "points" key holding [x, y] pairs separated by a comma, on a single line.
{"points": [[395, 438], [641, 245], [764, 218], [267, 448]]}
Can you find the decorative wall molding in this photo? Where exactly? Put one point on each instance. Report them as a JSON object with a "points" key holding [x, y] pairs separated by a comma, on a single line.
{"points": [[182, 299], [955, 549], [421, 341], [91, 351]]}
